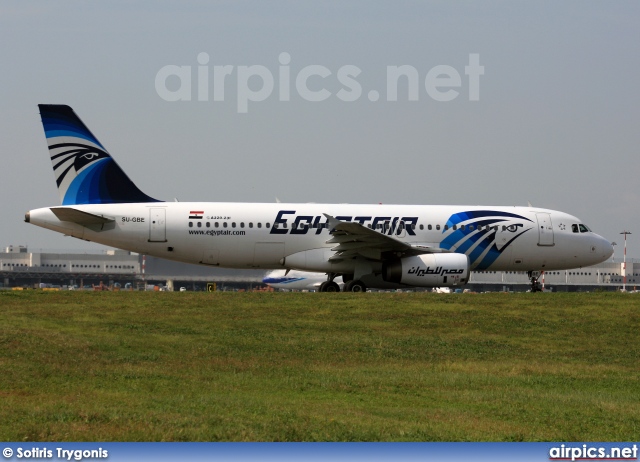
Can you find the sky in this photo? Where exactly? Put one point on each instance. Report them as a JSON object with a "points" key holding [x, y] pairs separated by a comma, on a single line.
{"points": [[549, 115]]}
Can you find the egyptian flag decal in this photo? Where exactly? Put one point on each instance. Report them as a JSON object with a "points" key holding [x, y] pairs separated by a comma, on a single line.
{"points": [[195, 215]]}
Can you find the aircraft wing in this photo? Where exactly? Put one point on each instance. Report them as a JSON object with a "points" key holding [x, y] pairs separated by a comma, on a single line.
{"points": [[353, 239], [79, 217]]}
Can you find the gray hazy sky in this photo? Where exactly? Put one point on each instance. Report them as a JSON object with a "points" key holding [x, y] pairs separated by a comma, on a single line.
{"points": [[556, 122]]}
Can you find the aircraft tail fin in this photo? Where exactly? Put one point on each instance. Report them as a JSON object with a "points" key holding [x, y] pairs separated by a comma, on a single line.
{"points": [[85, 172]]}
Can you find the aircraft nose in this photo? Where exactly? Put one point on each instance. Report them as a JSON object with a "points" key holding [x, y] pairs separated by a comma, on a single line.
{"points": [[608, 248], [605, 249]]}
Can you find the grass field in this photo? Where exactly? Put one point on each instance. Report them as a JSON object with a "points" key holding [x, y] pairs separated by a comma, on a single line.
{"points": [[83, 366]]}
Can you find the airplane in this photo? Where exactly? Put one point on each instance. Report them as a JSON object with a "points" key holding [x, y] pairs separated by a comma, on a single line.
{"points": [[294, 280], [367, 245]]}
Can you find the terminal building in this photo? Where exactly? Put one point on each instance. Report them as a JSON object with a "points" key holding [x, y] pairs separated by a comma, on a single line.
{"points": [[605, 276], [21, 268]]}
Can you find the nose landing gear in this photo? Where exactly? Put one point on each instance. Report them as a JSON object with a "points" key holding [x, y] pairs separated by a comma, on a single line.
{"points": [[533, 277]]}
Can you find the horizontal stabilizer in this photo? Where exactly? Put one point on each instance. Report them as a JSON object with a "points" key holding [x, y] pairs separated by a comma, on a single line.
{"points": [[79, 217]]}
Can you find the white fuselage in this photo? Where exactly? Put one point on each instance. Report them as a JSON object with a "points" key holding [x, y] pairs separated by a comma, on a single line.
{"points": [[252, 235]]}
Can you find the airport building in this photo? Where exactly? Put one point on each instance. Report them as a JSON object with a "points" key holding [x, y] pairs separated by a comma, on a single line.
{"points": [[609, 275], [21, 268]]}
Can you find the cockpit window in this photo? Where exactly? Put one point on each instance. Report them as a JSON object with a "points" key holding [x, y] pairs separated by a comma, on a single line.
{"points": [[584, 229], [574, 228]]}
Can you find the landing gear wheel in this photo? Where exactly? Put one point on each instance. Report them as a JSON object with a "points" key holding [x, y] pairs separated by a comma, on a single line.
{"points": [[329, 286], [355, 286], [533, 277]]}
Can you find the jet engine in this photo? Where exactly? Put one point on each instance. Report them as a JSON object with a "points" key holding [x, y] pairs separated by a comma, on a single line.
{"points": [[429, 270]]}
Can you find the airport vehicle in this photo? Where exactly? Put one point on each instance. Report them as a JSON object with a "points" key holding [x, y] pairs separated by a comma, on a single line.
{"points": [[368, 245]]}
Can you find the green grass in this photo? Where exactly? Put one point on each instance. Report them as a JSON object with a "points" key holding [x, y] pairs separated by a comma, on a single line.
{"points": [[78, 366]]}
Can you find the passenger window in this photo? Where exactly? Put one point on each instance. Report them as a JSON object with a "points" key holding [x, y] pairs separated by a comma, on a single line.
{"points": [[242, 225], [421, 227], [574, 228], [259, 225], [438, 227], [250, 225], [199, 224], [208, 225], [224, 225], [455, 227], [462, 227], [470, 227], [216, 224], [429, 227], [190, 224], [446, 227], [266, 225]]}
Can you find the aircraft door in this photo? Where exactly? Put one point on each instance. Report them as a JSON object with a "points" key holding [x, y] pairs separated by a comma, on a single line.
{"points": [[157, 225], [545, 229]]}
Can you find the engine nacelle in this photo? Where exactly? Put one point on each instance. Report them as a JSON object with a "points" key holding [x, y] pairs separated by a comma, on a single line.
{"points": [[429, 270]]}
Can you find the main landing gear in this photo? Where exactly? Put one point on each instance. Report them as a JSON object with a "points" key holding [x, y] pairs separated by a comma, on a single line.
{"points": [[355, 286], [533, 277], [329, 286], [351, 285]]}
